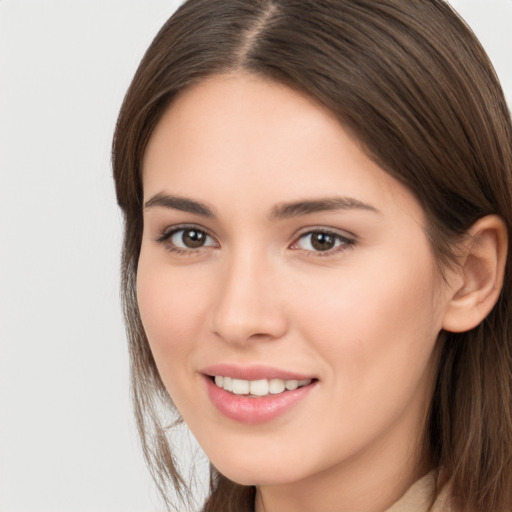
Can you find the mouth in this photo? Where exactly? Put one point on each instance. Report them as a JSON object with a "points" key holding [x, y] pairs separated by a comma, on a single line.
{"points": [[257, 394], [258, 388]]}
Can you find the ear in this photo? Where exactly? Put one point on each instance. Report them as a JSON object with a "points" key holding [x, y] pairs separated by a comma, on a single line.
{"points": [[480, 275]]}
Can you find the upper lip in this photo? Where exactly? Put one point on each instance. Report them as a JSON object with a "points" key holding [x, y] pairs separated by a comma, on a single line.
{"points": [[252, 372]]}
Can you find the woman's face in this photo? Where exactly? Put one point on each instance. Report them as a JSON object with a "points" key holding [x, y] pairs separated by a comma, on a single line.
{"points": [[279, 262]]}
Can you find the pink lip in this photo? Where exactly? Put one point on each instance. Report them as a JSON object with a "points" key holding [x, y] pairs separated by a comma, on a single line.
{"points": [[254, 410], [254, 372]]}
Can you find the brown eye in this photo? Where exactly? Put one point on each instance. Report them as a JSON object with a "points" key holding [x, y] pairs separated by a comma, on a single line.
{"points": [[322, 241], [192, 238], [188, 238]]}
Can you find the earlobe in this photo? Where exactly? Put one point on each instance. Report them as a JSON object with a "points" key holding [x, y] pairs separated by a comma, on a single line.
{"points": [[480, 275]]}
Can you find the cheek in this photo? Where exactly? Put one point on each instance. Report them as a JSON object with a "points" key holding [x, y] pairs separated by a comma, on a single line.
{"points": [[375, 323], [376, 336], [171, 313]]}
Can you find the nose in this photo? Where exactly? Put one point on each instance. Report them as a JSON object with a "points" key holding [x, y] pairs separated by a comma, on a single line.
{"points": [[248, 305]]}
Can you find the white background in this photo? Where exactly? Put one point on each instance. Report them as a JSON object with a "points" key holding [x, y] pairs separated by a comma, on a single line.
{"points": [[67, 440]]}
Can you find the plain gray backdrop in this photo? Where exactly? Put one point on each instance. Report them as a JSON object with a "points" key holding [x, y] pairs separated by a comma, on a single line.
{"points": [[67, 439]]}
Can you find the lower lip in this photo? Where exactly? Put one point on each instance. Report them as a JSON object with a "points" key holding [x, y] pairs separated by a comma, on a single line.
{"points": [[255, 410]]}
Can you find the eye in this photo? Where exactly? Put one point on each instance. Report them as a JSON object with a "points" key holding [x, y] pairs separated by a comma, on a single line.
{"points": [[185, 239], [322, 241]]}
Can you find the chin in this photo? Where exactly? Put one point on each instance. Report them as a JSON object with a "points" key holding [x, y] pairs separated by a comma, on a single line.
{"points": [[247, 472]]}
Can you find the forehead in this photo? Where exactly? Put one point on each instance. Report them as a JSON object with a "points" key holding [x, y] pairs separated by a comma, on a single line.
{"points": [[240, 137]]}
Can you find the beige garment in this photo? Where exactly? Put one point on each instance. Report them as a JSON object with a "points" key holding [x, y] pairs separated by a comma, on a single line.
{"points": [[424, 496]]}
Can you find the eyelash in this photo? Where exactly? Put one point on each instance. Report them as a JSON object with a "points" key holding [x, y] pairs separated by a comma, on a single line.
{"points": [[166, 237], [342, 242]]}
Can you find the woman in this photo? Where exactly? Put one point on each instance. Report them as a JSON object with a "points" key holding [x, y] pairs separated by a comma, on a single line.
{"points": [[317, 199]]}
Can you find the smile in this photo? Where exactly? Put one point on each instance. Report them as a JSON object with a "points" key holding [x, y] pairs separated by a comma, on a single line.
{"points": [[260, 387], [256, 400]]}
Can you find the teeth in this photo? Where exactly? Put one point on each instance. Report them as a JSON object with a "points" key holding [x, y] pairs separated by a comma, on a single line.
{"points": [[277, 386], [291, 384], [261, 387], [227, 384], [240, 387]]}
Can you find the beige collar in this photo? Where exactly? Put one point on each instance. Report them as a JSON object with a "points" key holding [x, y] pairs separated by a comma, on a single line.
{"points": [[424, 496]]}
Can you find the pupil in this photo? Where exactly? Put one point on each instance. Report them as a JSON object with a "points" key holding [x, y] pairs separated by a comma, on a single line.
{"points": [[193, 238], [322, 241]]}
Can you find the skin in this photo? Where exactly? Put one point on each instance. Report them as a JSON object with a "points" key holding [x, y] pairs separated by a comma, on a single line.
{"points": [[362, 318]]}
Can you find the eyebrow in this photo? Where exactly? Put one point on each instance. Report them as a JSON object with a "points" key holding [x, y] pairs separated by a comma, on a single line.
{"points": [[307, 207], [179, 203], [279, 212]]}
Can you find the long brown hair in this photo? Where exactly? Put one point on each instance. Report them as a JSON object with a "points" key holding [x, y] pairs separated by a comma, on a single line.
{"points": [[411, 82]]}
